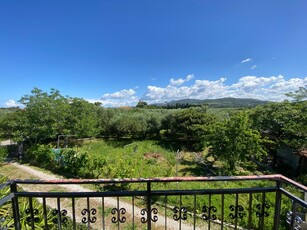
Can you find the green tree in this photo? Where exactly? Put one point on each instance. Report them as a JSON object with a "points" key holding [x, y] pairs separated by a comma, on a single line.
{"points": [[44, 115], [190, 126], [298, 95], [82, 119], [141, 104], [285, 121], [235, 142]]}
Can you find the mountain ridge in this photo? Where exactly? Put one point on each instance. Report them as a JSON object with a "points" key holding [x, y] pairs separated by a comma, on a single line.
{"points": [[226, 102]]}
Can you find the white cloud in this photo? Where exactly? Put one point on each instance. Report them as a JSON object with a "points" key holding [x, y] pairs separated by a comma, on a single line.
{"points": [[272, 88], [120, 94], [254, 67], [11, 103], [264, 88], [180, 81], [247, 60], [125, 97]]}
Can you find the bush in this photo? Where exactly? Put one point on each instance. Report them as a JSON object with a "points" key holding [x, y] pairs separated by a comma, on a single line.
{"points": [[73, 161], [3, 153], [41, 155]]}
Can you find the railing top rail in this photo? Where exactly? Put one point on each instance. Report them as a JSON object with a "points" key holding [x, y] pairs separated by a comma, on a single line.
{"points": [[273, 177], [3, 185], [294, 183], [155, 179]]}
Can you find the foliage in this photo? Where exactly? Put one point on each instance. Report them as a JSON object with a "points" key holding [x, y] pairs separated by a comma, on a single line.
{"points": [[141, 104], [190, 126], [298, 95], [12, 126], [3, 153], [72, 161], [47, 115], [134, 123], [235, 142], [82, 118], [40, 155], [285, 121], [65, 160], [123, 159]]}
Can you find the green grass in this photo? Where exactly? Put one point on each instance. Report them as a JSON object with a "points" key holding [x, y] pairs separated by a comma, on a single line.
{"points": [[127, 159]]}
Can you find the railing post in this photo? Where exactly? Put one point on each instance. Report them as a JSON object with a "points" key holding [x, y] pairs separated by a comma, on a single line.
{"points": [[15, 206], [277, 205], [148, 205]]}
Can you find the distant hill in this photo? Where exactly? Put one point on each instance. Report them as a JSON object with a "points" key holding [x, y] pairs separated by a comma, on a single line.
{"points": [[227, 102], [4, 111]]}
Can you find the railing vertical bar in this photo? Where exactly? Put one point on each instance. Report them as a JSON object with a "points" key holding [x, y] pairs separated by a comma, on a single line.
{"points": [[194, 214], [118, 213], [165, 210], [15, 207], [250, 210], [31, 212], [73, 213], [209, 212], [132, 212], [45, 212], [103, 214], [294, 211], [59, 213], [148, 205], [236, 211], [180, 212], [88, 213], [277, 205], [222, 215], [262, 211]]}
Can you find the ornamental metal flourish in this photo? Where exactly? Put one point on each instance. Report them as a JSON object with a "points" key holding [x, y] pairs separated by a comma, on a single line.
{"points": [[262, 210], [118, 215], [208, 213], [154, 218], [61, 215], [237, 211], [89, 213], [180, 213], [35, 218]]}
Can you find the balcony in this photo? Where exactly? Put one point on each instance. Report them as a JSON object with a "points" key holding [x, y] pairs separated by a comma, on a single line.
{"points": [[238, 202]]}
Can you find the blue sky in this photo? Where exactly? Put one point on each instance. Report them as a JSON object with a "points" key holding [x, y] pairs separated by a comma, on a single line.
{"points": [[122, 51]]}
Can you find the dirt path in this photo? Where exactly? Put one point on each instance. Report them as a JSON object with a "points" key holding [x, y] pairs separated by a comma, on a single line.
{"points": [[81, 203]]}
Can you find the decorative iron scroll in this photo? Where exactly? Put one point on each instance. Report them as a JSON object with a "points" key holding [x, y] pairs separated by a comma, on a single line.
{"points": [[238, 211], [118, 217], [154, 217], [297, 220], [90, 213], [208, 213], [262, 210], [2, 220], [180, 213], [297, 223], [62, 215], [289, 217], [29, 219]]}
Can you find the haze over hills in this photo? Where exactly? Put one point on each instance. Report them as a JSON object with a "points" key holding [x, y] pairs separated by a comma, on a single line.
{"points": [[227, 102]]}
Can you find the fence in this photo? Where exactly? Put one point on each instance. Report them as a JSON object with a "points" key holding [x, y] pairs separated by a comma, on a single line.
{"points": [[238, 202]]}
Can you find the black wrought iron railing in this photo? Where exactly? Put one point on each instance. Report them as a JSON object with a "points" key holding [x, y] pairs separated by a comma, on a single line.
{"points": [[239, 202]]}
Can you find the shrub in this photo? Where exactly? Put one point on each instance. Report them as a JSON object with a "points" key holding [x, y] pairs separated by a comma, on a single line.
{"points": [[3, 153]]}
